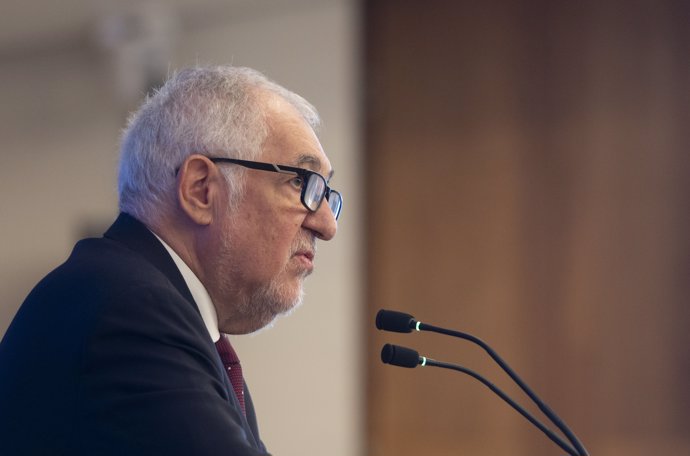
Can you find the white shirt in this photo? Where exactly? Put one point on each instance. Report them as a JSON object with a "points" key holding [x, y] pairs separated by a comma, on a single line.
{"points": [[199, 293]]}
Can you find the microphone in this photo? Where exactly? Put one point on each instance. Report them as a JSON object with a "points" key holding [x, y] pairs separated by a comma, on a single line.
{"points": [[401, 356], [389, 320]]}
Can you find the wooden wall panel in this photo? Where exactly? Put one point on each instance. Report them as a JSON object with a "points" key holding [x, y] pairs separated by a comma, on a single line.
{"points": [[529, 182]]}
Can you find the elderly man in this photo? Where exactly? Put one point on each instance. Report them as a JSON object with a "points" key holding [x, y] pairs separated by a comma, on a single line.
{"points": [[223, 190]]}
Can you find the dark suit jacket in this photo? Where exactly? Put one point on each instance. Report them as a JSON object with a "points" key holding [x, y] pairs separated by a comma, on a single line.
{"points": [[109, 355]]}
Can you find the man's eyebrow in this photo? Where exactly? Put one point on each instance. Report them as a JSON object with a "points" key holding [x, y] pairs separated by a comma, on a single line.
{"points": [[312, 163]]}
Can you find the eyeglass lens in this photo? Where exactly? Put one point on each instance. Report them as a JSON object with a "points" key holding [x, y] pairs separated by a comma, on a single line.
{"points": [[314, 193], [335, 202]]}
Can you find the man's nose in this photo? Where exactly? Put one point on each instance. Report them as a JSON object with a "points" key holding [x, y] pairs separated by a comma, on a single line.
{"points": [[322, 222]]}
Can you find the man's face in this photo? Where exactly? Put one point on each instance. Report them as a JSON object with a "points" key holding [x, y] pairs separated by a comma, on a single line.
{"points": [[269, 239]]}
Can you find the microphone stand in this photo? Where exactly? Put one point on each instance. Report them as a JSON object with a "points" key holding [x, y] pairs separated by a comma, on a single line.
{"points": [[406, 357], [404, 323], [554, 438], [550, 414]]}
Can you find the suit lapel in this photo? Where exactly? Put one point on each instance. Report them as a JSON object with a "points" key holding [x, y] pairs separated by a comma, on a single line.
{"points": [[137, 237]]}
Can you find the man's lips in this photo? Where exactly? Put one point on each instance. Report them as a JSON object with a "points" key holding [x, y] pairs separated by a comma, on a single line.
{"points": [[306, 254], [306, 257]]}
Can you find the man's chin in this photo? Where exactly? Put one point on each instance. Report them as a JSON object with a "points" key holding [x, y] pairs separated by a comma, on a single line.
{"points": [[292, 304], [276, 303], [271, 320]]}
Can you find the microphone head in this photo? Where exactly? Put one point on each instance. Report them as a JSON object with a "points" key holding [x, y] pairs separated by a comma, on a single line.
{"points": [[399, 356], [391, 320]]}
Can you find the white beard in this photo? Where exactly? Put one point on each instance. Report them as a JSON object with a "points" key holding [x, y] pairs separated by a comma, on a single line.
{"points": [[261, 306]]}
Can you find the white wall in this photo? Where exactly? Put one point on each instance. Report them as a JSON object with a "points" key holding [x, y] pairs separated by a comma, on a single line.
{"points": [[59, 129]]}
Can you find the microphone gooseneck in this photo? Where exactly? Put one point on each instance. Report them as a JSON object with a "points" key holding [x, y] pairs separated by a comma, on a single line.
{"points": [[407, 357], [389, 320]]}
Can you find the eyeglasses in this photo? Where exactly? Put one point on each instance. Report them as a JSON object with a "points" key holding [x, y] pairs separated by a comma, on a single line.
{"points": [[313, 185]]}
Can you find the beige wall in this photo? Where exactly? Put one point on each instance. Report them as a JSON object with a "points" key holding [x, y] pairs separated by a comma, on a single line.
{"points": [[59, 128]]}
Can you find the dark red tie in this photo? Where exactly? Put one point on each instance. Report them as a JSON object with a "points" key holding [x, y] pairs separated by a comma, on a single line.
{"points": [[232, 368]]}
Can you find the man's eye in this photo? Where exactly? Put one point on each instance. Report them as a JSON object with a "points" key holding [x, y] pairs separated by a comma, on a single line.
{"points": [[297, 182]]}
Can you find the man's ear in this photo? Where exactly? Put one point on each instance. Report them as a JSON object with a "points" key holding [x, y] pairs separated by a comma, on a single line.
{"points": [[198, 188]]}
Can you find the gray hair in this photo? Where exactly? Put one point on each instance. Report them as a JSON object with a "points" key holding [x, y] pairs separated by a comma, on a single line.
{"points": [[207, 110]]}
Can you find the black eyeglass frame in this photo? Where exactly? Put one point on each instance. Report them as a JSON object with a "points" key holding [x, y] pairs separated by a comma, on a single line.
{"points": [[305, 174]]}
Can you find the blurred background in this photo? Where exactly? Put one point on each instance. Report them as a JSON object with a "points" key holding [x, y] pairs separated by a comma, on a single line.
{"points": [[514, 169]]}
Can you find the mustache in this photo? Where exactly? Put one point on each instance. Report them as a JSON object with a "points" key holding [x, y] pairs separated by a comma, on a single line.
{"points": [[305, 242]]}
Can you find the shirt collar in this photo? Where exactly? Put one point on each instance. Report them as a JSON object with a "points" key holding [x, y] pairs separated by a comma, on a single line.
{"points": [[199, 293]]}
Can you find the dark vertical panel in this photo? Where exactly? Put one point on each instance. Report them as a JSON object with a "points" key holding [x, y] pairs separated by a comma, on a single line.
{"points": [[529, 182]]}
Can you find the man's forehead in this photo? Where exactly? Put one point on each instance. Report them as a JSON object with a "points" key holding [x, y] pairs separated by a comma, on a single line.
{"points": [[314, 163], [293, 140]]}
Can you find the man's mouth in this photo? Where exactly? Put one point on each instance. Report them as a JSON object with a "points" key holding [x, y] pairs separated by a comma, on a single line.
{"points": [[309, 255], [306, 257], [304, 251]]}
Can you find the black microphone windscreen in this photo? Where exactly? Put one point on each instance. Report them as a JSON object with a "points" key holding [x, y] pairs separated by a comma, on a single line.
{"points": [[391, 320], [399, 356]]}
